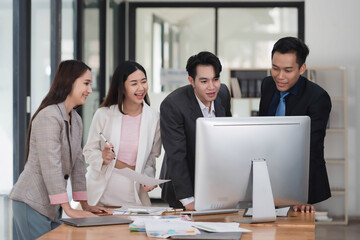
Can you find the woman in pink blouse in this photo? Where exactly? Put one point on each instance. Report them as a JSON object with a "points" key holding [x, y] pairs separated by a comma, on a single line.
{"points": [[132, 128]]}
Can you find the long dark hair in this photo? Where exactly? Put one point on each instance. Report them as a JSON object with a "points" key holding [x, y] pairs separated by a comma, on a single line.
{"points": [[66, 74], [116, 93]]}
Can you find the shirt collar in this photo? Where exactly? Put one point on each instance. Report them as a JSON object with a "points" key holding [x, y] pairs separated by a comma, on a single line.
{"points": [[294, 89], [203, 107]]}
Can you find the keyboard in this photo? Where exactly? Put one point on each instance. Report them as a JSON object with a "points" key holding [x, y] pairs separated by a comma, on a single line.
{"points": [[208, 212]]}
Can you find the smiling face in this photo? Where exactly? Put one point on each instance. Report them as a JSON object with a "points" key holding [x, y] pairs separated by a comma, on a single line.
{"points": [[206, 85], [285, 70], [81, 88], [136, 87]]}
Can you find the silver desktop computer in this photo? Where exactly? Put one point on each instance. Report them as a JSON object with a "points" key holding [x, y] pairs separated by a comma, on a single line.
{"points": [[258, 159]]}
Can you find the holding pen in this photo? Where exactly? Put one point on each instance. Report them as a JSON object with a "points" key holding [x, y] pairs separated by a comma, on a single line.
{"points": [[106, 154]]}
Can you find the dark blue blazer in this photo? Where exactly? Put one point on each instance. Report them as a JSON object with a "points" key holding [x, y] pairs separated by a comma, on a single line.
{"points": [[313, 101]]}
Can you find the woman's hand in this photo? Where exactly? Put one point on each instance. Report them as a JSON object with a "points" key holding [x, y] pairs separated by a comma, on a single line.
{"points": [[94, 209], [73, 213], [108, 154], [148, 188]]}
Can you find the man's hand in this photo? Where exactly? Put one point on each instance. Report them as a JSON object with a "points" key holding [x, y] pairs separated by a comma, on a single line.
{"points": [[190, 206], [308, 208]]}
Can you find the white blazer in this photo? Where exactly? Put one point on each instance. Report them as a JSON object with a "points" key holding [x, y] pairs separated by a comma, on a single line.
{"points": [[108, 121]]}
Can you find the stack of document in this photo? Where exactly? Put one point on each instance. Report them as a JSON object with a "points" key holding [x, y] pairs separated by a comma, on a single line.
{"points": [[219, 227], [176, 226], [280, 212], [138, 224], [164, 228], [140, 210]]}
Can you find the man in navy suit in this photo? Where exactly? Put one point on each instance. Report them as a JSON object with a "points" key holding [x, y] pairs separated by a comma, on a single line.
{"points": [[287, 93], [205, 96]]}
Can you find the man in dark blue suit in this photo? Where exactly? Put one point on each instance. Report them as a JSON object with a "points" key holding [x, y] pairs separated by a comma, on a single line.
{"points": [[205, 96], [287, 93]]}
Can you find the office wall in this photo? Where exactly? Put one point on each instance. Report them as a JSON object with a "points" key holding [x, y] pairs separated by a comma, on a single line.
{"points": [[333, 35]]}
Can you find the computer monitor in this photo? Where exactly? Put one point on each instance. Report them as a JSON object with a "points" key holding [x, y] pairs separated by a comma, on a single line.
{"points": [[225, 148]]}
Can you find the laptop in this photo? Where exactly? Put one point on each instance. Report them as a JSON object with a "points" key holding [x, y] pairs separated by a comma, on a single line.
{"points": [[95, 221]]}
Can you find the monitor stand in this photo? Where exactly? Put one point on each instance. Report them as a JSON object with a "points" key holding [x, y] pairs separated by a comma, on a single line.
{"points": [[262, 197]]}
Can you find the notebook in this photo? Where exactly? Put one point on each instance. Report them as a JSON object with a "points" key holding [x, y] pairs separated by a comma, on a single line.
{"points": [[95, 221]]}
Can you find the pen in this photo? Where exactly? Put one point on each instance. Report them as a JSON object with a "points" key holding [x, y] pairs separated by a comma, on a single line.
{"points": [[106, 141]]}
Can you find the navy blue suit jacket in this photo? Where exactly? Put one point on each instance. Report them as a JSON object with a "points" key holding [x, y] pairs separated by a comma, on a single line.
{"points": [[313, 101]]}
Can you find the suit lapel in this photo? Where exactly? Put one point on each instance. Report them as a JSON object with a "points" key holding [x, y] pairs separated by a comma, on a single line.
{"points": [[219, 109], [268, 97], [75, 134], [293, 100], [194, 105], [64, 115]]}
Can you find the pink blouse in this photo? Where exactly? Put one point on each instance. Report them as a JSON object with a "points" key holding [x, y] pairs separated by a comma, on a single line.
{"points": [[129, 139]]}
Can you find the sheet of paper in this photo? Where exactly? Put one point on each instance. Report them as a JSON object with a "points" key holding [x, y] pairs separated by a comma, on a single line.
{"points": [[219, 227], [280, 212], [140, 210], [164, 228], [139, 221], [141, 178]]}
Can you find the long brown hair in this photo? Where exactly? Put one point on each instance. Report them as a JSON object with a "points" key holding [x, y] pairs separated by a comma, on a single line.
{"points": [[66, 74], [116, 93]]}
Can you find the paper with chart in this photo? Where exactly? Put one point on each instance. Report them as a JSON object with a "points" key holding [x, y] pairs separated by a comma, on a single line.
{"points": [[141, 178], [164, 228]]}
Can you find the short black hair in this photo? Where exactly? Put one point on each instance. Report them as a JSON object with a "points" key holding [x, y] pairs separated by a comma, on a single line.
{"points": [[292, 45], [203, 58]]}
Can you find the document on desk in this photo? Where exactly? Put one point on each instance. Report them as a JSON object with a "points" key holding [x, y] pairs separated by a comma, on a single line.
{"points": [[164, 228], [280, 212], [219, 227], [139, 221], [140, 210], [141, 178]]}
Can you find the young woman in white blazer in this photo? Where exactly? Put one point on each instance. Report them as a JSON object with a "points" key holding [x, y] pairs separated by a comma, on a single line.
{"points": [[132, 130]]}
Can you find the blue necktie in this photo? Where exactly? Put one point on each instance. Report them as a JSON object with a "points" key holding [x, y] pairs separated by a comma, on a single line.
{"points": [[280, 111]]}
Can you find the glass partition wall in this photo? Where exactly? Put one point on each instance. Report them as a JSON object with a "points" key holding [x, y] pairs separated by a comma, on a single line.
{"points": [[241, 37], [166, 37], [246, 35], [6, 115]]}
